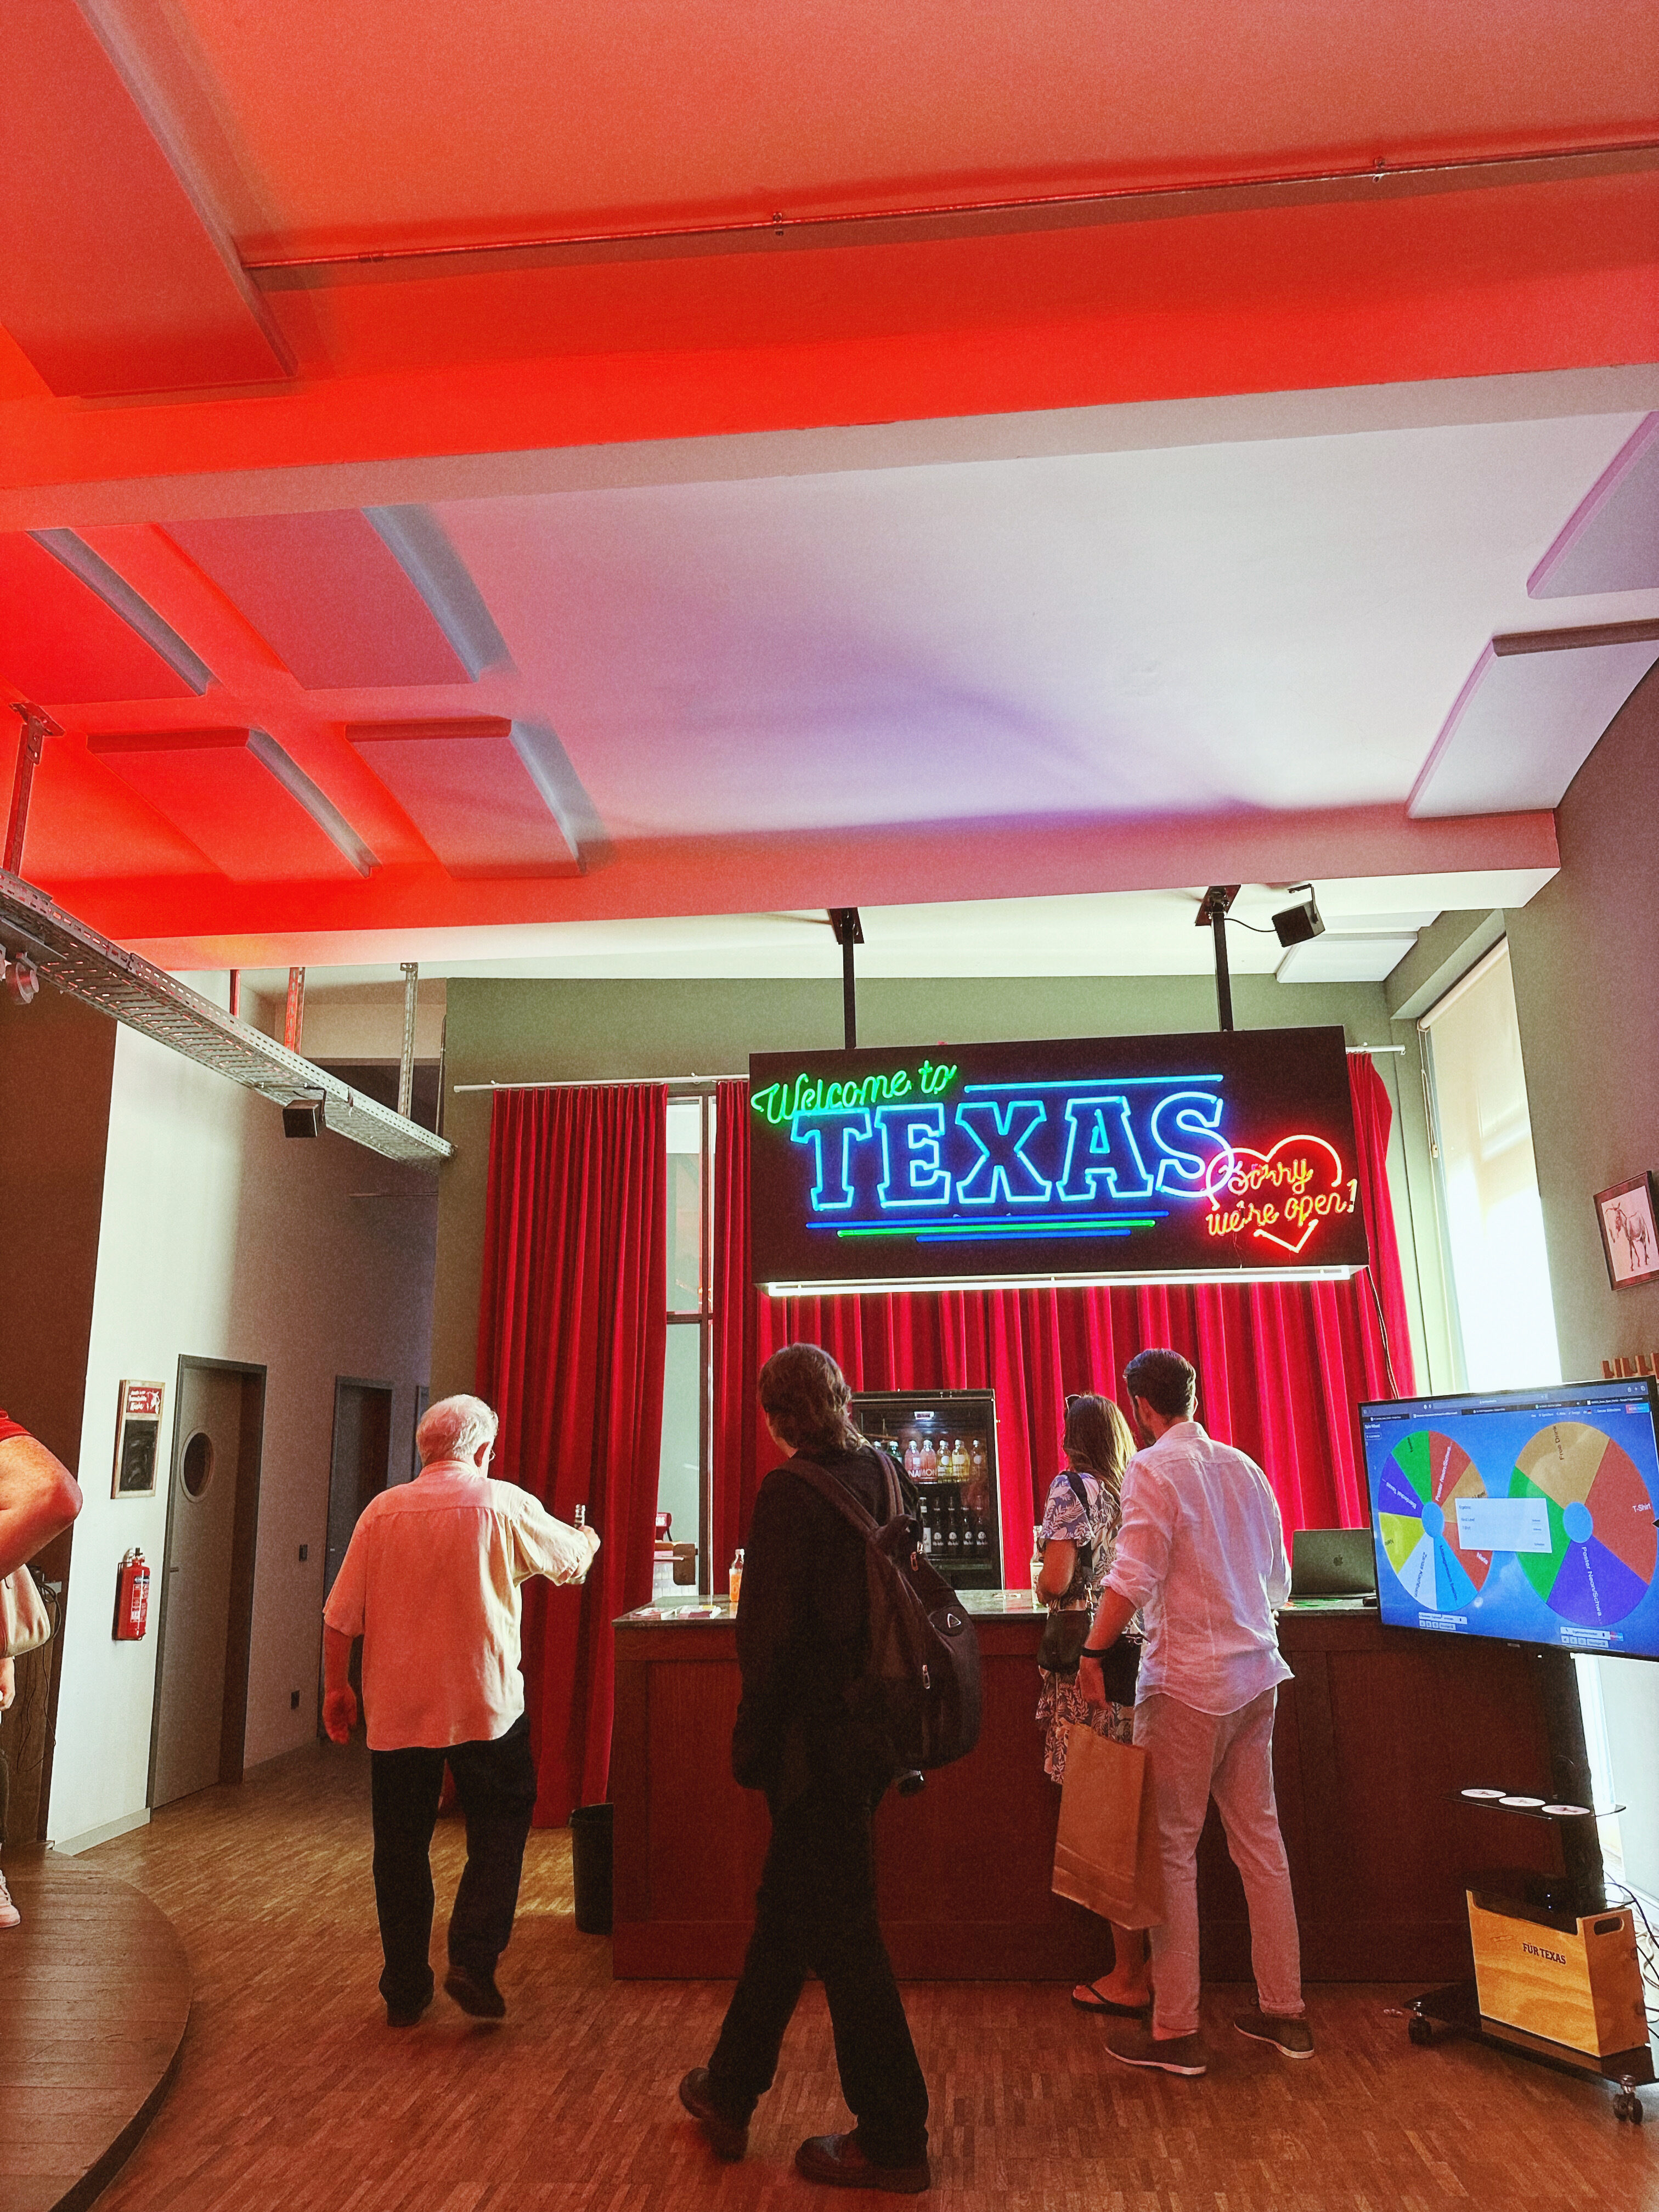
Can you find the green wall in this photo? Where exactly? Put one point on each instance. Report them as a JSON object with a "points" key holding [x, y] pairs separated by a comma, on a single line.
{"points": [[1583, 954], [526, 1032]]}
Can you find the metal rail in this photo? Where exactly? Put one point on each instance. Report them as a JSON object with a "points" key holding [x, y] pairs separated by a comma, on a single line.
{"points": [[76, 960]]}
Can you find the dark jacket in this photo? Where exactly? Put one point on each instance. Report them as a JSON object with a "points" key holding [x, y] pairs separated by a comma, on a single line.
{"points": [[804, 1635]]}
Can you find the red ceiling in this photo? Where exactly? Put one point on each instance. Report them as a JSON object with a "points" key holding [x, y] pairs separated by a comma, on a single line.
{"points": [[208, 135], [59, 640]]}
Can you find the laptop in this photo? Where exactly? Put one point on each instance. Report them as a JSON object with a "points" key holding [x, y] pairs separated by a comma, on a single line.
{"points": [[1333, 1564]]}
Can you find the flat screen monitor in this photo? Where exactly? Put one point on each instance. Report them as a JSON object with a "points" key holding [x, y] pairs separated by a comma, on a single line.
{"points": [[946, 1442], [1524, 1515]]}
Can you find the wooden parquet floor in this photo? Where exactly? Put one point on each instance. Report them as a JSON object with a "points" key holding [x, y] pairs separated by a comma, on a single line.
{"points": [[95, 1995], [293, 2094]]}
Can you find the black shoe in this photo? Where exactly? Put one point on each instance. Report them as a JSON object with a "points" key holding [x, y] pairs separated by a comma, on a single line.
{"points": [[839, 2161], [406, 2015], [727, 2139], [475, 1994]]}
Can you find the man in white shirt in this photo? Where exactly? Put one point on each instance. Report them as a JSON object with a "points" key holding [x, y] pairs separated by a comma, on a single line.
{"points": [[430, 1581], [1202, 1553]]}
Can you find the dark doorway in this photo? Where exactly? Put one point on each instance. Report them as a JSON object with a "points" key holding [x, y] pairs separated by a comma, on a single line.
{"points": [[205, 1616], [360, 1465]]}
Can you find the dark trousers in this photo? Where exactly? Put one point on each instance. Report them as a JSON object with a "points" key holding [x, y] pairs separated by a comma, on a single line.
{"points": [[816, 1913], [496, 1784]]}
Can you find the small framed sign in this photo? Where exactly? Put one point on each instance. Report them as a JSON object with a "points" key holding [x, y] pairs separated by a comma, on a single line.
{"points": [[1630, 1236], [137, 1433]]}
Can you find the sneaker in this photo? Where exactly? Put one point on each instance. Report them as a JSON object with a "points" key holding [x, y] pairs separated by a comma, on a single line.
{"points": [[475, 1994], [1293, 2037], [10, 1915], [1170, 2054], [727, 2138], [841, 2161]]}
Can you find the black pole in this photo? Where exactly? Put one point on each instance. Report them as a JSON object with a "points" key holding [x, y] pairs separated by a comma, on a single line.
{"points": [[849, 931], [1224, 982]]}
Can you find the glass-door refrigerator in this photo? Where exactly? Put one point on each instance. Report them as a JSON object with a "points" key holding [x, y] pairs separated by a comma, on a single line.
{"points": [[946, 1442]]}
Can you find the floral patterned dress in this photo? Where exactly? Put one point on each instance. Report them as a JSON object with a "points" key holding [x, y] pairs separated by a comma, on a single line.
{"points": [[1065, 1520]]}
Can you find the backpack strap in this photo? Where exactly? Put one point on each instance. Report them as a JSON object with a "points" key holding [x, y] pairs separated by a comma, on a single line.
{"points": [[835, 1492]]}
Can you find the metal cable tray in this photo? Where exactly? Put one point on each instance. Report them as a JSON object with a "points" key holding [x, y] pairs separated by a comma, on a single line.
{"points": [[76, 960]]}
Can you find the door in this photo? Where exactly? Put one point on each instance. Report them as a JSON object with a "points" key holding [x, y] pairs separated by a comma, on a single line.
{"points": [[207, 1597]]}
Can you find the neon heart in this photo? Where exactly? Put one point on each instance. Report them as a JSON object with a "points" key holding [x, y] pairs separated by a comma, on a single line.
{"points": [[1266, 1174]]}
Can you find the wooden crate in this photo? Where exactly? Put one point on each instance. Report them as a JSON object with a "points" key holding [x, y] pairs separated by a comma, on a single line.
{"points": [[1577, 1982]]}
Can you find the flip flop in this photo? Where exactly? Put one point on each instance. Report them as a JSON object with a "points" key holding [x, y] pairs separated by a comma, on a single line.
{"points": [[1095, 2002]]}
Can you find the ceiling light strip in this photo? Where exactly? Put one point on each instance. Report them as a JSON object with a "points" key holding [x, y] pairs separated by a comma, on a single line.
{"points": [[76, 960], [1036, 211], [1095, 1278]]}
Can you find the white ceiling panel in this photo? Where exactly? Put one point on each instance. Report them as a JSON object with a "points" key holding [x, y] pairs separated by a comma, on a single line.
{"points": [[1524, 725]]}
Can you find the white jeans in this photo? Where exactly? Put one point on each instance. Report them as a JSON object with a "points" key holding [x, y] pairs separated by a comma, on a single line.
{"points": [[1192, 1756]]}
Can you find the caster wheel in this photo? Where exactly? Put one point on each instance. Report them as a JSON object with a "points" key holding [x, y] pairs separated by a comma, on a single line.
{"points": [[1419, 2031]]}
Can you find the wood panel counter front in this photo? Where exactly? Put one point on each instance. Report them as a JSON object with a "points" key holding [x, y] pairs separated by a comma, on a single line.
{"points": [[1376, 1735]]}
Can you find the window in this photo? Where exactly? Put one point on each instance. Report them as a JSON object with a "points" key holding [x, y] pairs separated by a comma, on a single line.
{"points": [[683, 1471], [1492, 1221]]}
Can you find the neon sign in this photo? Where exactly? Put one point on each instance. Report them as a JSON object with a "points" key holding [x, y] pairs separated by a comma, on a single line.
{"points": [[1177, 1156]]}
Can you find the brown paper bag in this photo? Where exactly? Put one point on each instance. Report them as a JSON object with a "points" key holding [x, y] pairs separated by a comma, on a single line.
{"points": [[1106, 1854]]}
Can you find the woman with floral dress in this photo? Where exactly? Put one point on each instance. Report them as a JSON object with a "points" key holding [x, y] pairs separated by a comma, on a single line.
{"points": [[1078, 1539]]}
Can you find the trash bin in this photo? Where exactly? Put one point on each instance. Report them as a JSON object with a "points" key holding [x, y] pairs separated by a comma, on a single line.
{"points": [[590, 1867]]}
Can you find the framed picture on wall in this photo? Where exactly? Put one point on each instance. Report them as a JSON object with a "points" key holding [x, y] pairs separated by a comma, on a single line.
{"points": [[137, 1430], [1630, 1235]]}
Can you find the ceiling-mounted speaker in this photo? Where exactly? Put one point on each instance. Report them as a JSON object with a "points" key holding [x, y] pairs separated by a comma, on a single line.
{"points": [[303, 1117], [1295, 925]]}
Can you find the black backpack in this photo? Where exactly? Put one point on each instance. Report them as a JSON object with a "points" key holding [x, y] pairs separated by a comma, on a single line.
{"points": [[917, 1697]]}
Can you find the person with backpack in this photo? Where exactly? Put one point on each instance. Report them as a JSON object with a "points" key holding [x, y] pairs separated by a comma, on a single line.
{"points": [[1077, 1542], [822, 1759]]}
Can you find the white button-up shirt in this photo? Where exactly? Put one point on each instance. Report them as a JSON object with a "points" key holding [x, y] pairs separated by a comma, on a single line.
{"points": [[430, 1581], [1201, 1551]]}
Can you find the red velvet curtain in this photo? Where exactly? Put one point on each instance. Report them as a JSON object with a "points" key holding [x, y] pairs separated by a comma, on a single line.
{"points": [[1281, 1366], [572, 1335]]}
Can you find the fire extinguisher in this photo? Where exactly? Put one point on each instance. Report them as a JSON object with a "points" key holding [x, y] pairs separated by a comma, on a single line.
{"points": [[131, 1597]]}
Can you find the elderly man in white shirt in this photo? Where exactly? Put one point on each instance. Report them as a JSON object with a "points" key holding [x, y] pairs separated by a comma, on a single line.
{"points": [[430, 1581], [1202, 1553]]}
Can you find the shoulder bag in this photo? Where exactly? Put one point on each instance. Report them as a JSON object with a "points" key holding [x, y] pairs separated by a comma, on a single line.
{"points": [[1066, 1633], [24, 1621]]}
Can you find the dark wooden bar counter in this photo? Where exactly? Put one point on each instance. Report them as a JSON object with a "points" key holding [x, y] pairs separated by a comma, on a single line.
{"points": [[1375, 1735]]}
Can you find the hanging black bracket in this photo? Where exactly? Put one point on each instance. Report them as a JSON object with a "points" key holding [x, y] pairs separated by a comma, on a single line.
{"points": [[849, 931], [1212, 916]]}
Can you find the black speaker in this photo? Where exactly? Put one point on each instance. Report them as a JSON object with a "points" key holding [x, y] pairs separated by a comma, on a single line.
{"points": [[1297, 924], [303, 1117]]}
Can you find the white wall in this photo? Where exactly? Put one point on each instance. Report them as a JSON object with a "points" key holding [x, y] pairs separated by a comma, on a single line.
{"points": [[221, 1239]]}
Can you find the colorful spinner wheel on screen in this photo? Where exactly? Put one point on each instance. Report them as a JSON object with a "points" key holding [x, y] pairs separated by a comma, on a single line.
{"points": [[1417, 1510], [1603, 1542]]}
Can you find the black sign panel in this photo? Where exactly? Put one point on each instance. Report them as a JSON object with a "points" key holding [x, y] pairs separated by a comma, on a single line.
{"points": [[1165, 1158]]}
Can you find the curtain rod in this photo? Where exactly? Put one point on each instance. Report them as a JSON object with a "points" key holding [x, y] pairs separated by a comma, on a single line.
{"points": [[593, 1083], [599, 1082]]}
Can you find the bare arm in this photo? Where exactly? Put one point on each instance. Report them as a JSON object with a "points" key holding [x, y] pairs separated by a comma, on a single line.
{"points": [[1054, 1576], [339, 1698], [38, 1498]]}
